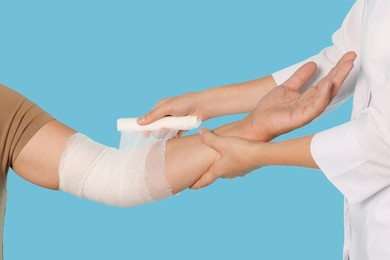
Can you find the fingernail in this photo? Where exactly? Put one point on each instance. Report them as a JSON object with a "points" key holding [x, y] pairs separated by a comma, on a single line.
{"points": [[201, 131], [141, 120]]}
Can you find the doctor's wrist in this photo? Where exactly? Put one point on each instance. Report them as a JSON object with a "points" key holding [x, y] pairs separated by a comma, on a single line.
{"points": [[243, 129]]}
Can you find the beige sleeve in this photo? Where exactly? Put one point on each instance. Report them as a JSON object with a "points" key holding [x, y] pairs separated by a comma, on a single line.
{"points": [[20, 119]]}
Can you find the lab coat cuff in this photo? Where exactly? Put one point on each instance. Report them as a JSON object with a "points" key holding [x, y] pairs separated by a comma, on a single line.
{"points": [[338, 155]]}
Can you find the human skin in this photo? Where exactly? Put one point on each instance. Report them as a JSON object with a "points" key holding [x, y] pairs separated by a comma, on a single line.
{"points": [[188, 158], [219, 101], [280, 111], [237, 157], [224, 100]]}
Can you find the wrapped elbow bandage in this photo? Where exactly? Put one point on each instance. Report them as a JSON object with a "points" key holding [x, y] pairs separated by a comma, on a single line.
{"points": [[128, 176]]}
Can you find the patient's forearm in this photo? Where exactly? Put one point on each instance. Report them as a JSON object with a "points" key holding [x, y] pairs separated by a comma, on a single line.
{"points": [[188, 158]]}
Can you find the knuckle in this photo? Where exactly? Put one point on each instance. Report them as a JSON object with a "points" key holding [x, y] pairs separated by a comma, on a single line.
{"points": [[164, 100], [336, 81], [326, 81], [168, 107]]}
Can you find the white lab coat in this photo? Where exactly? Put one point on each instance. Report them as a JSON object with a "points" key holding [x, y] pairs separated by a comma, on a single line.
{"points": [[355, 156]]}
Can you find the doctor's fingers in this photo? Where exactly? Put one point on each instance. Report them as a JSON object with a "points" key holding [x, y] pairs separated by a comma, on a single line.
{"points": [[213, 141], [158, 111], [223, 167], [347, 58], [301, 76], [316, 99], [339, 73], [183, 105], [207, 179]]}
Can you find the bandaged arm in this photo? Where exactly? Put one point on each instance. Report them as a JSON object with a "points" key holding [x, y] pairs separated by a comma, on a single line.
{"points": [[115, 183]]}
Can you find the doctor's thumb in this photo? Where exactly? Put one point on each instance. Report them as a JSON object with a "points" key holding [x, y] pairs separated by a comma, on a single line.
{"points": [[209, 138]]}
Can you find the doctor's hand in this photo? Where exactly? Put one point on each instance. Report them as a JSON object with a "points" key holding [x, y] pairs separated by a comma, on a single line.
{"points": [[192, 103], [235, 157], [218, 101], [284, 108]]}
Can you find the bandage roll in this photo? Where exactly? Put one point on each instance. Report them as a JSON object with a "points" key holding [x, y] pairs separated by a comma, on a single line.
{"points": [[170, 122]]}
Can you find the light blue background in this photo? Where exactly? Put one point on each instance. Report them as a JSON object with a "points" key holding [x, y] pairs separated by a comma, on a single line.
{"points": [[90, 62]]}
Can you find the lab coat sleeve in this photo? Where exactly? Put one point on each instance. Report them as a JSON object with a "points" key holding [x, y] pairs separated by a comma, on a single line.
{"points": [[355, 156], [347, 38]]}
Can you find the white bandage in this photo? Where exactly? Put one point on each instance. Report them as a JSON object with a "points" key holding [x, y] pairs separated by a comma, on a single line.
{"points": [[123, 177], [111, 176], [170, 122]]}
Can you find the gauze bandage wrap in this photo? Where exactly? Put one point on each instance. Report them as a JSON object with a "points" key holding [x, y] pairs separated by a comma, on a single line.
{"points": [[125, 177]]}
